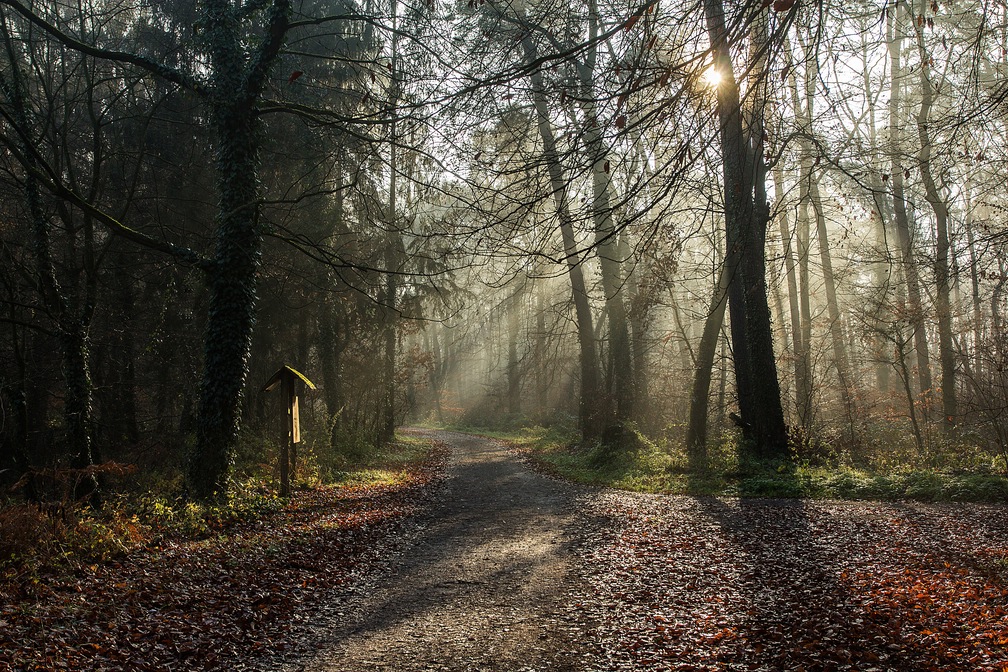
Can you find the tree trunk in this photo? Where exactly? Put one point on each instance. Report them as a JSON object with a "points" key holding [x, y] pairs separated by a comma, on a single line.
{"points": [[541, 381], [513, 374], [882, 269], [840, 359], [746, 216], [915, 308], [238, 243], [386, 430], [591, 407], [696, 429], [71, 328], [14, 442], [810, 192], [606, 236], [978, 321], [803, 404], [943, 305]]}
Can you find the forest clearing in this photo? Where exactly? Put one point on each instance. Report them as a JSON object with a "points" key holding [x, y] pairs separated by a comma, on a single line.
{"points": [[722, 284]]}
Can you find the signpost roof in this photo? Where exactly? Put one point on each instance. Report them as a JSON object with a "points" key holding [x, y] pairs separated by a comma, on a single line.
{"points": [[289, 372]]}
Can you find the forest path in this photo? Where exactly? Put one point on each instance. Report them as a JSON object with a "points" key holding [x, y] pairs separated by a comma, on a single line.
{"points": [[510, 571], [485, 584]]}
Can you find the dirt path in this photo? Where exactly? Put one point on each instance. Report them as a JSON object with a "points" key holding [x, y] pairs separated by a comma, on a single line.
{"points": [[510, 571], [484, 586]]}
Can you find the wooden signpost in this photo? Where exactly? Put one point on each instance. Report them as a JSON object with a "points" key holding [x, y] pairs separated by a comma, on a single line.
{"points": [[288, 379]]}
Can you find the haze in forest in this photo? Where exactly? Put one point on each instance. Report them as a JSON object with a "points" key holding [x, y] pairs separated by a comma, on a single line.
{"points": [[767, 229]]}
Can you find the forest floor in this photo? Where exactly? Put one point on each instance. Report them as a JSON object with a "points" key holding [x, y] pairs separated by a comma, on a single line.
{"points": [[480, 563]]}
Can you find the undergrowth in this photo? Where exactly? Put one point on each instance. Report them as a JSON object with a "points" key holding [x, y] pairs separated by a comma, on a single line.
{"points": [[642, 465], [64, 535]]}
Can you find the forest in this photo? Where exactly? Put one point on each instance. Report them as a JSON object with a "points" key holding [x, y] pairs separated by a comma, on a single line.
{"points": [[674, 217], [706, 239]]}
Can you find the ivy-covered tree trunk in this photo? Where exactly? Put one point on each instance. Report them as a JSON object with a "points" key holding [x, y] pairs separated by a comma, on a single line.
{"points": [[232, 272], [232, 302]]}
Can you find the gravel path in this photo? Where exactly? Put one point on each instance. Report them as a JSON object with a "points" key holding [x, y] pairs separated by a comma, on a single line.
{"points": [[483, 586], [511, 571]]}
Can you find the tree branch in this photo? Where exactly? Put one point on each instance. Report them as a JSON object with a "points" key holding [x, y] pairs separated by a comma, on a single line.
{"points": [[276, 32], [153, 67]]}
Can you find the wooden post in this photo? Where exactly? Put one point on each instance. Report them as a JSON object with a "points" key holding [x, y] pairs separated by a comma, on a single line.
{"points": [[287, 388], [295, 432], [290, 428]]}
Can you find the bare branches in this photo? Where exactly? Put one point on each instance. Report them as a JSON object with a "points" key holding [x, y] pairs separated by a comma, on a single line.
{"points": [[159, 69]]}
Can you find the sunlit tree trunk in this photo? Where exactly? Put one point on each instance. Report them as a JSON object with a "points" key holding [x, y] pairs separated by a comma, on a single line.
{"points": [[387, 423], [539, 343], [803, 237], [799, 355], [811, 192], [437, 372], [840, 359], [513, 308], [974, 287], [638, 340], [330, 339], [882, 268]]}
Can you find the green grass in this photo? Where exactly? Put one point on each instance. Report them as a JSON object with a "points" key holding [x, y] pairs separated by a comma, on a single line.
{"points": [[377, 466], [646, 467]]}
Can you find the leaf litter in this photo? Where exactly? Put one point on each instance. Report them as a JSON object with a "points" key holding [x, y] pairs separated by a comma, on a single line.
{"points": [[660, 582], [219, 603], [690, 583]]}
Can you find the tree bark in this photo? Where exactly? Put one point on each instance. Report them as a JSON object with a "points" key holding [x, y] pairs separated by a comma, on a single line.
{"points": [[746, 217], [840, 360], [943, 304], [903, 233], [71, 323], [803, 403], [606, 236], [238, 241], [696, 428], [882, 268], [514, 377], [386, 430], [591, 408]]}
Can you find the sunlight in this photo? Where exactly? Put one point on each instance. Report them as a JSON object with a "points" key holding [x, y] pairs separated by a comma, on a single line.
{"points": [[712, 77]]}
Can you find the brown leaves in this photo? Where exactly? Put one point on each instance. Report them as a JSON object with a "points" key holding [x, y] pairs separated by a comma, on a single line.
{"points": [[183, 604], [700, 583]]}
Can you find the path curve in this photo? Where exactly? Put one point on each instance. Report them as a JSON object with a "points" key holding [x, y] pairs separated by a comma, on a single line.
{"points": [[484, 586]]}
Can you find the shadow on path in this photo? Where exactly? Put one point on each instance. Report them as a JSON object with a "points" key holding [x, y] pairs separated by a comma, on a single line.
{"points": [[484, 586]]}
